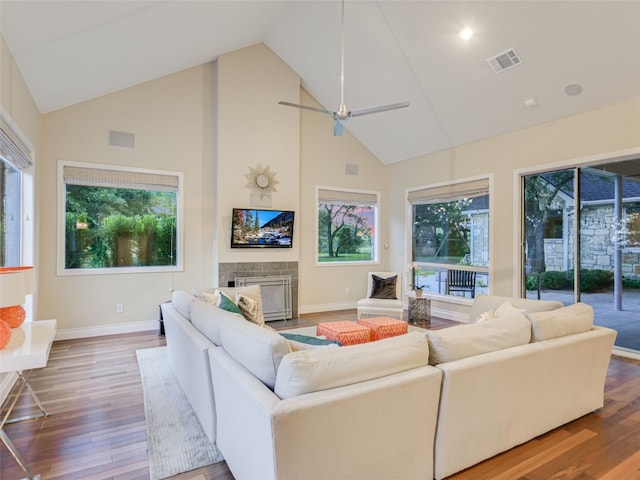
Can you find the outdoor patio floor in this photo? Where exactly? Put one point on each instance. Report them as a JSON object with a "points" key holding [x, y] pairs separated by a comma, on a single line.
{"points": [[626, 321]]}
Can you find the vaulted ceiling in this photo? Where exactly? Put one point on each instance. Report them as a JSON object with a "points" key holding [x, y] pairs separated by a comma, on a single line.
{"points": [[395, 50]]}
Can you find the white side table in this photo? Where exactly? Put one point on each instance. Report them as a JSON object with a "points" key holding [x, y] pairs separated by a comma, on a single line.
{"points": [[28, 348]]}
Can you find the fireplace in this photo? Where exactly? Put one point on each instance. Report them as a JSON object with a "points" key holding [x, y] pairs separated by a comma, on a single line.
{"points": [[284, 300], [276, 295]]}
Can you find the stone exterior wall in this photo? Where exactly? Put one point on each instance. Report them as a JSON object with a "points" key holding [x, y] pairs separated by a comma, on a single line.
{"points": [[229, 271], [480, 239], [597, 249]]}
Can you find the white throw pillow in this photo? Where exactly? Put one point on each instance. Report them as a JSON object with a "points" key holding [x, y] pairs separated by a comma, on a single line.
{"points": [[575, 318], [455, 343], [483, 317], [508, 310]]}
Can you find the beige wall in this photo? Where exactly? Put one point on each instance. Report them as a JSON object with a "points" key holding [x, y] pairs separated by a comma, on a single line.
{"points": [[569, 141], [323, 164], [252, 129], [168, 117]]}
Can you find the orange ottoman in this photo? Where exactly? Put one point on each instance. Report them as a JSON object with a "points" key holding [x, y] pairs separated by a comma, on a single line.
{"points": [[347, 333], [384, 327]]}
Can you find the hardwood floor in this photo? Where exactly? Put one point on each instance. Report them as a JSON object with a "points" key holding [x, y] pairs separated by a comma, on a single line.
{"points": [[96, 429]]}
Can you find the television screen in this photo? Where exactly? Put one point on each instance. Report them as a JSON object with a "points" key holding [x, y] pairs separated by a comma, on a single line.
{"points": [[254, 228]]}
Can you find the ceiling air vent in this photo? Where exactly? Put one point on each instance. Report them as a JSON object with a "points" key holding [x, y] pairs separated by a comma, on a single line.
{"points": [[504, 61]]}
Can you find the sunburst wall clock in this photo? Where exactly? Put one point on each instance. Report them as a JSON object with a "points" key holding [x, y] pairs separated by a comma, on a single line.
{"points": [[261, 181]]}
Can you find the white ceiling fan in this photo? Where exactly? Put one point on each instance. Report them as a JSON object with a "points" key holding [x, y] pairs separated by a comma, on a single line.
{"points": [[342, 114]]}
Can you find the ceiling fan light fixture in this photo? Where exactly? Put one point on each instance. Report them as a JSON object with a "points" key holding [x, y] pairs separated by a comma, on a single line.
{"points": [[343, 114]]}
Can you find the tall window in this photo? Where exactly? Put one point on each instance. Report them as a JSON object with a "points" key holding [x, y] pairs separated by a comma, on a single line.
{"points": [[347, 223], [450, 231], [13, 159], [119, 219]]}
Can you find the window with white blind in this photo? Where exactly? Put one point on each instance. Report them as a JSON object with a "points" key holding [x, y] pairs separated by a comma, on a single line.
{"points": [[449, 232], [347, 226], [117, 219], [15, 157]]}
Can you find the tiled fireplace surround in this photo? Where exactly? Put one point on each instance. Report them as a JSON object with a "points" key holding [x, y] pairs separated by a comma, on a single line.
{"points": [[229, 271]]}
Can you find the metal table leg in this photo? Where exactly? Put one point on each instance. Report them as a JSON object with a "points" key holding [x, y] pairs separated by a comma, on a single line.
{"points": [[24, 380]]}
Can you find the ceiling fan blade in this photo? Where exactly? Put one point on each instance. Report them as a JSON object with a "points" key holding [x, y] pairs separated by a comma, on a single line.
{"points": [[380, 108], [305, 107], [338, 128]]}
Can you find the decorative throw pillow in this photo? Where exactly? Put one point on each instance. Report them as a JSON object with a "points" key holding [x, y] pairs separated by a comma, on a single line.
{"points": [[250, 309], [227, 304], [212, 298], [483, 317], [309, 339], [508, 310], [384, 288]]}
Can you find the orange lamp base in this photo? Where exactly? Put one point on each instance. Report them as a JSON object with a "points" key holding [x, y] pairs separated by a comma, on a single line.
{"points": [[13, 315]]}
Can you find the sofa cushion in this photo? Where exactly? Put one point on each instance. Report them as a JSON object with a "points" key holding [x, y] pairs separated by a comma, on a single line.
{"points": [[504, 310], [454, 343], [208, 319], [308, 371], [484, 303], [575, 318], [181, 301], [257, 349]]}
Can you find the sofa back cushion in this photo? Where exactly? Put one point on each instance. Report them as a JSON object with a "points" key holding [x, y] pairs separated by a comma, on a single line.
{"points": [[454, 343], [258, 349], [182, 301], [317, 369], [575, 318], [484, 303], [208, 319]]}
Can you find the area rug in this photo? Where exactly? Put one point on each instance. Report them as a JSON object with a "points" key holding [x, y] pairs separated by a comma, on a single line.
{"points": [[176, 442]]}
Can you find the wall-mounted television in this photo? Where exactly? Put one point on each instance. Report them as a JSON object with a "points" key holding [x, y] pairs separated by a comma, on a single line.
{"points": [[256, 228]]}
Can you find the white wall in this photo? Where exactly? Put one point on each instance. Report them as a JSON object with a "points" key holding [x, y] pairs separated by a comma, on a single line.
{"points": [[252, 128], [17, 105], [323, 163], [170, 118], [568, 141]]}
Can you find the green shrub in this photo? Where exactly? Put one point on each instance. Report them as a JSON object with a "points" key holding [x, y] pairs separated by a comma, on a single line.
{"points": [[631, 283], [554, 281]]}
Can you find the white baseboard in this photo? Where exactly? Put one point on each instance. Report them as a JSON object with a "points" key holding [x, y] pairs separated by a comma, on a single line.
{"points": [[330, 307], [326, 307], [623, 352], [84, 332]]}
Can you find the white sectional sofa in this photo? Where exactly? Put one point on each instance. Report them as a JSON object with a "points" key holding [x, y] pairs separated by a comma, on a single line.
{"points": [[493, 401], [339, 413], [400, 408]]}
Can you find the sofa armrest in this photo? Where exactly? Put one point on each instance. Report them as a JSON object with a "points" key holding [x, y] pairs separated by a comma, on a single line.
{"points": [[188, 359], [391, 421], [495, 401]]}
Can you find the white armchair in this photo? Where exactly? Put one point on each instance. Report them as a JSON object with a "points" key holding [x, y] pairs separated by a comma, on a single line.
{"points": [[384, 296]]}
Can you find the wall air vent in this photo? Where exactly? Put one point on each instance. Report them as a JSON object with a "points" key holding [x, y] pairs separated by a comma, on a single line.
{"points": [[504, 61]]}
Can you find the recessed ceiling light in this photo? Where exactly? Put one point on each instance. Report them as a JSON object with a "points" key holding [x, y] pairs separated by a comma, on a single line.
{"points": [[573, 89], [466, 33]]}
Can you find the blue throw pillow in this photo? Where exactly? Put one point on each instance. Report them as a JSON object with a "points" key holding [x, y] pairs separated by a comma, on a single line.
{"points": [[227, 304], [309, 340]]}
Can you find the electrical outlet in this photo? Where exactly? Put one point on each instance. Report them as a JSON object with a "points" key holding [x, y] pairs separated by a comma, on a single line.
{"points": [[119, 307], [347, 290]]}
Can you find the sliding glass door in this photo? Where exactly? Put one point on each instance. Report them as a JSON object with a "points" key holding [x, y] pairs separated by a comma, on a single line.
{"points": [[601, 237]]}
